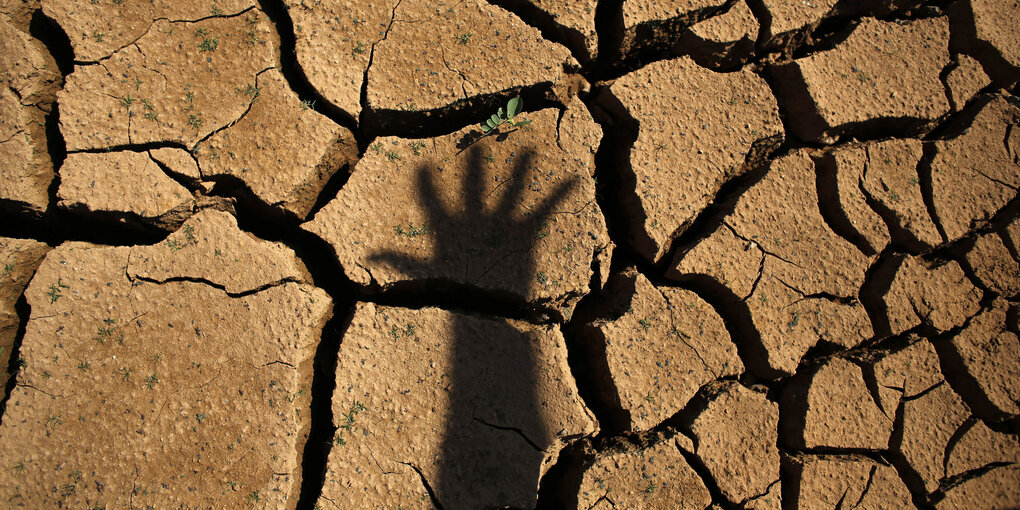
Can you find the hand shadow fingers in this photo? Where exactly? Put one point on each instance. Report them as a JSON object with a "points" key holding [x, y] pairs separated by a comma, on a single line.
{"points": [[516, 187]]}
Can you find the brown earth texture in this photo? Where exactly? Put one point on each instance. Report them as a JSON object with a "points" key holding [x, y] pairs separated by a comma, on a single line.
{"points": [[510, 254]]}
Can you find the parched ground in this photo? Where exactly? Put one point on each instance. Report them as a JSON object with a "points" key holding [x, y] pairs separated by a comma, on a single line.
{"points": [[731, 254]]}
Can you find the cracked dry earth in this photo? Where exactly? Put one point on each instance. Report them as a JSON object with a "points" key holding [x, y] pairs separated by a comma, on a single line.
{"points": [[754, 254]]}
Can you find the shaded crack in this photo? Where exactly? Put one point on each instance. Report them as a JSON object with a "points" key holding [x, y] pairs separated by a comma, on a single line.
{"points": [[760, 247], [425, 483], [680, 335], [947, 484], [371, 58], [463, 79], [532, 15], [830, 208], [215, 285], [757, 279], [867, 487], [954, 439], [297, 80], [77, 62], [763, 494], [231, 124], [924, 170], [516, 430]]}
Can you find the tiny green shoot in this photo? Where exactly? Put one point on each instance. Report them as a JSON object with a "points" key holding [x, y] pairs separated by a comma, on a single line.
{"points": [[513, 107]]}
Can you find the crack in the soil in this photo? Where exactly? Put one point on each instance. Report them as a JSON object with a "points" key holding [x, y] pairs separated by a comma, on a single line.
{"points": [[425, 483], [210, 283], [515, 430]]}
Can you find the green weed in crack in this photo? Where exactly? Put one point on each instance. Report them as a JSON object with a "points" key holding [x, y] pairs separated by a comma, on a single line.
{"points": [[513, 107]]}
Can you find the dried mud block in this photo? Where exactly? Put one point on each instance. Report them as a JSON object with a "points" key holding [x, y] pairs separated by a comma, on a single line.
{"points": [[27, 68], [121, 183], [806, 286], [666, 346], [18, 12], [286, 170], [210, 244], [722, 40], [178, 161], [656, 477], [938, 296], [977, 173], [573, 22], [782, 16], [905, 373], [841, 180], [20, 258], [990, 355], [335, 42], [996, 488], [697, 129], [994, 29], [965, 80], [98, 29], [515, 217], [891, 179], [424, 55], [28, 83], [929, 422], [735, 436], [203, 80], [838, 481], [834, 408], [200, 395], [994, 265], [475, 408], [980, 446], [734, 262], [884, 75]]}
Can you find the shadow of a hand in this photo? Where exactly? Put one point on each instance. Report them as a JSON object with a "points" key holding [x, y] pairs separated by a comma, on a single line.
{"points": [[491, 235]]}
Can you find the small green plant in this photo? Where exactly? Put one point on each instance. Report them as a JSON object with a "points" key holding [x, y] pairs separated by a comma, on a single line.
{"points": [[249, 90], [209, 44], [348, 423], [645, 324], [513, 107], [412, 231], [108, 331], [463, 39], [151, 380], [54, 292]]}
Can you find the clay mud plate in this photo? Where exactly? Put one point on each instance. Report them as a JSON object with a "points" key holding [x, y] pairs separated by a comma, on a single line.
{"points": [[510, 254]]}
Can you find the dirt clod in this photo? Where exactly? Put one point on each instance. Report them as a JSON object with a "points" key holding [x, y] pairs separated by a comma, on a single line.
{"points": [[884, 71], [666, 346], [202, 395], [656, 477], [482, 406]]}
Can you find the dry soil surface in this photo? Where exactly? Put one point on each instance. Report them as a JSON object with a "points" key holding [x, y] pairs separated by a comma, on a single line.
{"points": [[510, 254]]}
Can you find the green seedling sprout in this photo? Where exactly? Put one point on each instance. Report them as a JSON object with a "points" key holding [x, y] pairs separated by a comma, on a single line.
{"points": [[513, 107]]}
